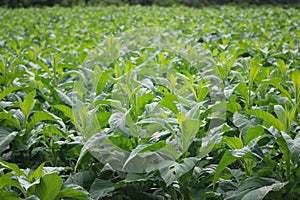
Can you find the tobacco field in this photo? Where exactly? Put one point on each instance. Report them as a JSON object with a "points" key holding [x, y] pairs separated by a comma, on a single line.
{"points": [[150, 103]]}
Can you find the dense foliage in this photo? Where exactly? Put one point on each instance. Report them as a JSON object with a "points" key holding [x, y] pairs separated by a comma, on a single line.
{"points": [[193, 3], [105, 103]]}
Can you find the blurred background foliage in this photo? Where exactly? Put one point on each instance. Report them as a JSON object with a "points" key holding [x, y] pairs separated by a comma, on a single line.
{"points": [[191, 3]]}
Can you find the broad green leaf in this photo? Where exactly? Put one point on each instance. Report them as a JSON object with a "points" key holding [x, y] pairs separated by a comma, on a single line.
{"points": [[64, 97], [82, 178], [8, 195], [168, 102], [103, 118], [142, 100], [32, 197], [208, 142], [282, 66], [73, 191], [233, 107], [37, 174], [7, 181], [175, 170], [12, 167], [256, 188], [122, 122], [44, 66], [101, 188], [50, 130], [202, 92], [28, 103], [268, 118], [68, 112], [243, 91], [293, 145], [9, 117], [40, 116], [253, 132], [276, 82], [280, 112], [111, 102], [189, 128], [296, 83], [144, 148], [49, 187], [122, 142], [242, 122], [91, 143], [254, 69], [6, 137], [8, 90], [102, 80], [233, 142], [226, 160], [283, 146], [281, 115], [163, 122]]}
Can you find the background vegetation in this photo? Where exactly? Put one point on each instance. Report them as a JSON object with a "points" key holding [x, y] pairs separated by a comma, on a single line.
{"points": [[219, 100], [193, 3]]}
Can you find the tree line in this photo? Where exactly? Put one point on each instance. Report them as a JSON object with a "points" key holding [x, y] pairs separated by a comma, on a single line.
{"points": [[191, 3]]}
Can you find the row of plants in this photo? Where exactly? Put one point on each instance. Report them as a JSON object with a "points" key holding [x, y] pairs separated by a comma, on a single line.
{"points": [[108, 103], [191, 3]]}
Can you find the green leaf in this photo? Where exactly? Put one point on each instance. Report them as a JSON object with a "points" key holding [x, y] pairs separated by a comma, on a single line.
{"points": [[9, 117], [281, 115], [163, 122], [202, 93], [32, 197], [7, 195], [168, 102], [6, 137], [144, 148], [242, 89], [40, 116], [123, 122], [7, 181], [12, 167], [95, 142], [276, 82], [8, 90], [189, 128], [74, 192], [142, 100], [37, 174], [296, 83], [101, 188], [268, 118], [175, 170], [254, 69], [28, 103], [256, 188], [103, 118], [253, 132], [208, 142], [68, 112], [82, 178], [280, 112], [282, 66], [233, 142], [226, 160], [293, 145], [122, 142], [65, 98], [102, 80], [49, 187], [242, 122]]}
